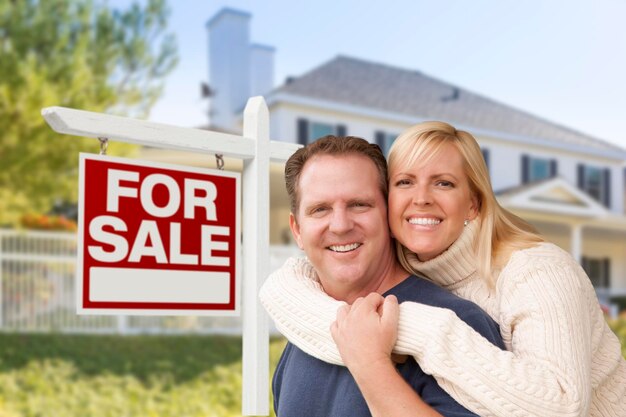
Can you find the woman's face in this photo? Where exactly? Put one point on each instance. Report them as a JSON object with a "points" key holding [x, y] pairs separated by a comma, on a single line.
{"points": [[429, 204]]}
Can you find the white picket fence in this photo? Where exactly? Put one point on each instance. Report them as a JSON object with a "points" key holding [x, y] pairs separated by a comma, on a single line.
{"points": [[37, 291]]}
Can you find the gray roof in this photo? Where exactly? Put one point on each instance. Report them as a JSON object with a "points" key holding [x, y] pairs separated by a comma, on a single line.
{"points": [[377, 86]]}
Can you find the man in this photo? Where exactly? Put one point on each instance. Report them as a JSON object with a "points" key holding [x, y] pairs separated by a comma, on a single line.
{"points": [[338, 192]]}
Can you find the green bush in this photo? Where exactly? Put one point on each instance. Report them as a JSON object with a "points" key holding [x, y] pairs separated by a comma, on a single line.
{"points": [[115, 376]]}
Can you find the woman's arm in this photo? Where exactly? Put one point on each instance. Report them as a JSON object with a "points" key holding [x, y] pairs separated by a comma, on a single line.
{"points": [[547, 373], [301, 310]]}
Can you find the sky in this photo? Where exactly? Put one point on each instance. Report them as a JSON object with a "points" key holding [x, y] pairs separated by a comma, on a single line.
{"points": [[562, 60]]}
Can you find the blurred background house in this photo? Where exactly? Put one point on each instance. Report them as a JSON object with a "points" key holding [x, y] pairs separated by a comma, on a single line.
{"points": [[568, 184]]}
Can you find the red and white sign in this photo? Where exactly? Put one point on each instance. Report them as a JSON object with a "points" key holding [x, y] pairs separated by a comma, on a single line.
{"points": [[157, 239]]}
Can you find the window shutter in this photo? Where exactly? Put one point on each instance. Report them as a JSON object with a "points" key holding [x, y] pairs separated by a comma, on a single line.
{"points": [[379, 137], [606, 272], [303, 131], [485, 153], [341, 130], [525, 169], [606, 188], [553, 168], [581, 176]]}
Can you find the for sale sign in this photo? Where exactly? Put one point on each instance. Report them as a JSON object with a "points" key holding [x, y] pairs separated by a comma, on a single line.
{"points": [[157, 239]]}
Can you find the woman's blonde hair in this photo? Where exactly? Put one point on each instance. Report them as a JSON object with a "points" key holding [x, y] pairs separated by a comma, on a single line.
{"points": [[501, 232]]}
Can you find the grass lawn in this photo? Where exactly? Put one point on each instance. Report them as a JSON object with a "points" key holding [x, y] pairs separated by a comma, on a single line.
{"points": [[46, 375]]}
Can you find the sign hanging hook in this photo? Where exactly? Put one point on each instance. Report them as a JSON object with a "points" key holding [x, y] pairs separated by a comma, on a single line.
{"points": [[219, 160], [104, 143]]}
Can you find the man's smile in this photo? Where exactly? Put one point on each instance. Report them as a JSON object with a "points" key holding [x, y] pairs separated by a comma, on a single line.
{"points": [[344, 248]]}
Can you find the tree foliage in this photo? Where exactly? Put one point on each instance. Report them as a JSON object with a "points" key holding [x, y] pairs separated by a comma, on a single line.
{"points": [[72, 53]]}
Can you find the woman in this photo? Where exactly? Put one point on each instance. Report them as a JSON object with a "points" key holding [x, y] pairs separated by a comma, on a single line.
{"points": [[561, 358]]}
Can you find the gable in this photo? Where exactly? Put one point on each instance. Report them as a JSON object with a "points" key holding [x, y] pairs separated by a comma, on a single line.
{"points": [[559, 195], [555, 195]]}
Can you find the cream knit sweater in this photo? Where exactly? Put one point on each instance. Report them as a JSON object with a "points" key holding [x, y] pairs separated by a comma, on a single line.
{"points": [[561, 358]]}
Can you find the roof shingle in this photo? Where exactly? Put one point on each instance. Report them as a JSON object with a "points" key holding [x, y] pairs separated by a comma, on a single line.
{"points": [[377, 86]]}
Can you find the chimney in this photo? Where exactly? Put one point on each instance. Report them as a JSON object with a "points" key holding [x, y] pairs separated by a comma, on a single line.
{"points": [[237, 68], [261, 69], [229, 63]]}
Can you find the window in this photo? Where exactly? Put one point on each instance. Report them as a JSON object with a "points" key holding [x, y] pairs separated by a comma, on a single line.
{"points": [[598, 270], [309, 131], [535, 169], [321, 129], [539, 169], [384, 140], [596, 182], [593, 182]]}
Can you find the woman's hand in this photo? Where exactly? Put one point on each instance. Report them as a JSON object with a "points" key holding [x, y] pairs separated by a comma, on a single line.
{"points": [[366, 331]]}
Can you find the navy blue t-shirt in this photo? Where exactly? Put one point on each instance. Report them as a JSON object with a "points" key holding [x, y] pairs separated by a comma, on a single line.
{"points": [[304, 386]]}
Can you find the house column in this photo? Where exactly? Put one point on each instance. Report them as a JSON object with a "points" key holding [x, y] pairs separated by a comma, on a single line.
{"points": [[576, 242]]}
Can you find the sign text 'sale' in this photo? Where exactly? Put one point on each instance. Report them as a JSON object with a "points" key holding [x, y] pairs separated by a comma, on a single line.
{"points": [[157, 239]]}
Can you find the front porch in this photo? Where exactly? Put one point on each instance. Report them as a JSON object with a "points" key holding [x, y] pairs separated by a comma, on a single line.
{"points": [[595, 236]]}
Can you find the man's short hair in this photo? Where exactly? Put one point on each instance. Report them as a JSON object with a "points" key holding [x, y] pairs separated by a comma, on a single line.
{"points": [[332, 145]]}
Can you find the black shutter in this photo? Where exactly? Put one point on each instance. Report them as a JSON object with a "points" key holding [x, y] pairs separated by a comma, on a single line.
{"points": [[341, 130], [585, 264], [379, 137], [606, 188], [553, 168], [485, 153], [303, 131], [606, 273], [581, 176], [525, 169]]}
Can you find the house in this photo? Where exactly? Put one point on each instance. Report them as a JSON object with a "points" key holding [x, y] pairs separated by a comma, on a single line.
{"points": [[568, 184]]}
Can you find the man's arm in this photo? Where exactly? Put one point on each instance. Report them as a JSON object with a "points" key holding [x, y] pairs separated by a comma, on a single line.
{"points": [[365, 339]]}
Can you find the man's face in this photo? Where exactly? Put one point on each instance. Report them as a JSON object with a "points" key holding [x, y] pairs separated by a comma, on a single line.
{"points": [[341, 222]]}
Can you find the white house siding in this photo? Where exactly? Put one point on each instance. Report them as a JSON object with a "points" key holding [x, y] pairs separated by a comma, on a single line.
{"points": [[504, 157], [284, 119], [505, 166]]}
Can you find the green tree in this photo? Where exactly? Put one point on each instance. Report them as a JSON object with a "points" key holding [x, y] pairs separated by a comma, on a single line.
{"points": [[72, 53]]}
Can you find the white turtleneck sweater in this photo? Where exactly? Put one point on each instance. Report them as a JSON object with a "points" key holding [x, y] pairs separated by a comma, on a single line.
{"points": [[561, 359]]}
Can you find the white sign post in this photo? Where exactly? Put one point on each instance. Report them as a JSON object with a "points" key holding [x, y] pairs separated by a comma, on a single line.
{"points": [[256, 150]]}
